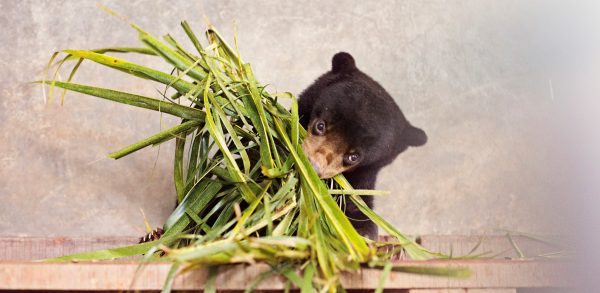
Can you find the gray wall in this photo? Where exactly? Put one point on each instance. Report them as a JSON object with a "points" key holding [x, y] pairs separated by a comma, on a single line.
{"points": [[484, 79]]}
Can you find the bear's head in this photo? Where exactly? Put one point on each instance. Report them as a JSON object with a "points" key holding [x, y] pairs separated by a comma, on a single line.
{"points": [[352, 123]]}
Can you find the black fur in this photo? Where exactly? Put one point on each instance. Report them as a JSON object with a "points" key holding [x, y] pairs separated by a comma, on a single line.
{"points": [[372, 123]]}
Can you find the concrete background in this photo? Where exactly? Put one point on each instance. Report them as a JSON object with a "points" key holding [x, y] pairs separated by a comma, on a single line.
{"points": [[485, 79]]}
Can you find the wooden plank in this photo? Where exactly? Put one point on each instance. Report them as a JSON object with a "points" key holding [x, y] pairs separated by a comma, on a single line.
{"points": [[17, 273], [31, 248], [121, 275], [513, 290], [498, 246], [491, 290]]}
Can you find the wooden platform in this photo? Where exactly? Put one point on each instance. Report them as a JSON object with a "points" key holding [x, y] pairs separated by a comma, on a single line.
{"points": [[515, 268]]}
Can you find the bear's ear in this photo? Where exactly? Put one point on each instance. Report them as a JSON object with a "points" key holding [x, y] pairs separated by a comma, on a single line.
{"points": [[413, 136], [342, 62]]}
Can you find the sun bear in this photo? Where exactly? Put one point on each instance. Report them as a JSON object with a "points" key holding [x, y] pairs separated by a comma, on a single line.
{"points": [[353, 127]]}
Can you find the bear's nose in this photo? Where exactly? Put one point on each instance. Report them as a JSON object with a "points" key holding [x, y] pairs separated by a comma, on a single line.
{"points": [[315, 166]]}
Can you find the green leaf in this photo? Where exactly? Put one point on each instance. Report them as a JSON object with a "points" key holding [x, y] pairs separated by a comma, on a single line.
{"points": [[168, 285], [193, 167], [192, 36], [112, 253], [211, 278], [216, 250], [144, 51], [212, 33], [358, 192], [453, 272], [248, 212], [71, 75], [259, 118], [292, 276], [178, 177], [414, 250], [232, 135], [259, 279], [170, 55], [306, 287], [133, 100], [196, 200], [179, 84], [158, 138], [295, 122], [384, 275], [219, 136]]}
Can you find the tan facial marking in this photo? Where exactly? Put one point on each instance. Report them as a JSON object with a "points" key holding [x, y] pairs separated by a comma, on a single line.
{"points": [[326, 153]]}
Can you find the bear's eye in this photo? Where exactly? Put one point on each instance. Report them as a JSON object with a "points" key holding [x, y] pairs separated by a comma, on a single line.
{"points": [[351, 158], [319, 128]]}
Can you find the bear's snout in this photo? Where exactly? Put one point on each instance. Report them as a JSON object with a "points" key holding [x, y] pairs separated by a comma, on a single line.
{"points": [[315, 166], [325, 154]]}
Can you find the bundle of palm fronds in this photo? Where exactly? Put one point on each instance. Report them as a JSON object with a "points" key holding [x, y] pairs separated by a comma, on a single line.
{"points": [[246, 191]]}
